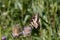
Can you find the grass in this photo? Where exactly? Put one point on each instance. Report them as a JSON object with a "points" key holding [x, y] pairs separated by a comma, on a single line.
{"points": [[14, 12]]}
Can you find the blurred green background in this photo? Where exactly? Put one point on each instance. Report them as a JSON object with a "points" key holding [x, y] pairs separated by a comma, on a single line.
{"points": [[20, 11]]}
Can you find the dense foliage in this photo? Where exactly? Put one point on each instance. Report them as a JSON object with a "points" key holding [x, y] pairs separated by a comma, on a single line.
{"points": [[14, 12]]}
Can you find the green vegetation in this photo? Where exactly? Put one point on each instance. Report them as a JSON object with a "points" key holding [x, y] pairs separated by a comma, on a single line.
{"points": [[20, 11]]}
